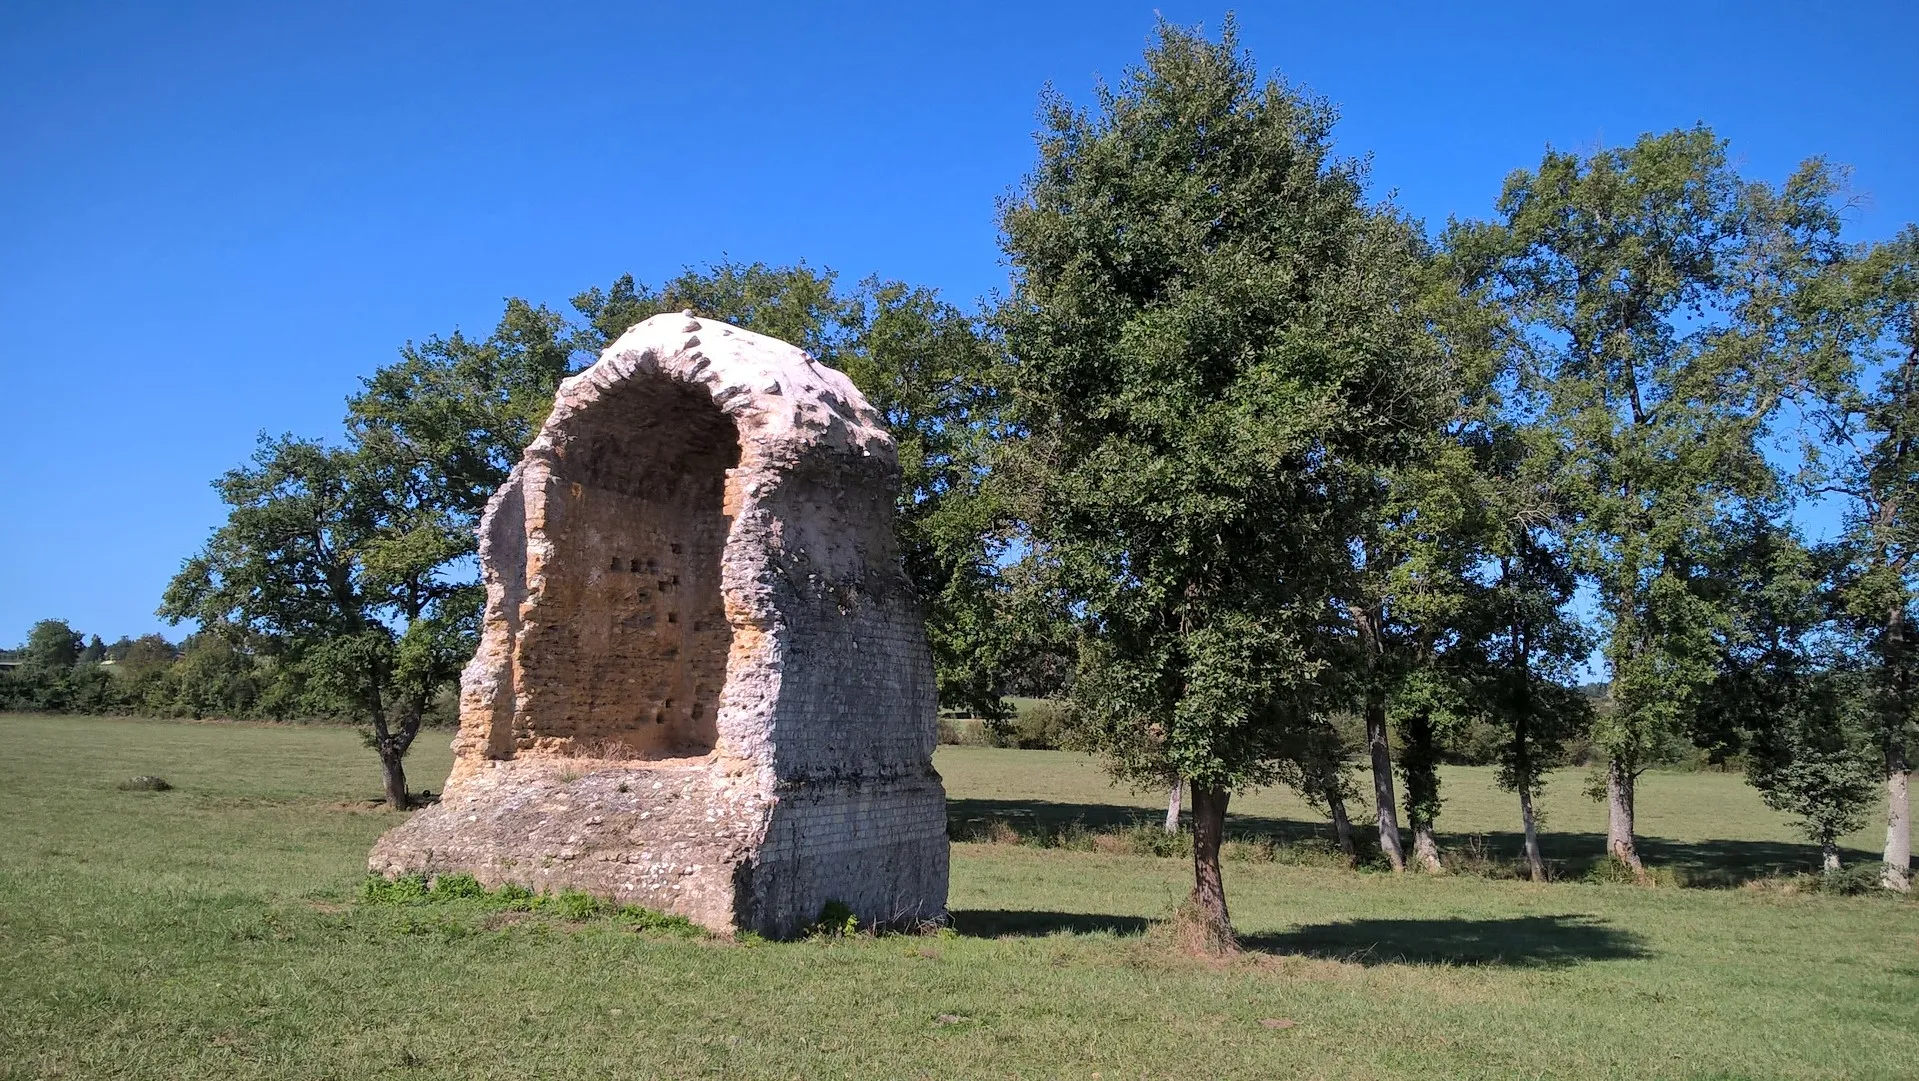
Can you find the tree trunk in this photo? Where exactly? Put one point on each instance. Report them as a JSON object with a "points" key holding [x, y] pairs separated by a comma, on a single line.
{"points": [[393, 769], [1419, 771], [1342, 825], [1209, 890], [1383, 781], [1897, 874], [1534, 864], [1172, 807], [1619, 824], [1426, 850]]}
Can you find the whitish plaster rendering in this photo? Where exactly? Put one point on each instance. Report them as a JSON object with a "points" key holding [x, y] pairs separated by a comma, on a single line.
{"points": [[703, 683]]}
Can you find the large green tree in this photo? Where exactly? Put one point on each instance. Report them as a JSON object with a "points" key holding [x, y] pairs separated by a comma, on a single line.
{"points": [[1647, 279], [1865, 411], [1211, 334], [331, 562], [931, 371], [1524, 646], [1792, 700], [52, 646]]}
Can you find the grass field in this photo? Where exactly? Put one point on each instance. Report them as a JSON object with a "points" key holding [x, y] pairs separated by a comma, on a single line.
{"points": [[213, 931]]}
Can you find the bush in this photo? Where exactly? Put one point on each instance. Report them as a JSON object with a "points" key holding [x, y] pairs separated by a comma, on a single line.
{"points": [[458, 888], [1612, 871], [579, 907], [403, 890], [515, 898], [965, 732], [645, 919], [836, 920], [1037, 724], [1860, 878]]}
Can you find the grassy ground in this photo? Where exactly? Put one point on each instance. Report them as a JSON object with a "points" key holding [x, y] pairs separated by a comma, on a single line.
{"points": [[212, 931], [1707, 829]]}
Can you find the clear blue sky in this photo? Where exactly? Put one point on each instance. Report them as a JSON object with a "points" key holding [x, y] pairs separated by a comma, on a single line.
{"points": [[215, 218]]}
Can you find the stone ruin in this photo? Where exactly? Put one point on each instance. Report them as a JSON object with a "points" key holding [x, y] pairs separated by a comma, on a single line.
{"points": [[703, 684]]}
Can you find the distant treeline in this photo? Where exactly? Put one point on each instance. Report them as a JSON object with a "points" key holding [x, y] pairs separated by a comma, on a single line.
{"points": [[60, 670]]}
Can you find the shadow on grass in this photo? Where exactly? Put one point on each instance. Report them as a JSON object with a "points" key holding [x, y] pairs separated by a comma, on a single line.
{"points": [[1045, 815], [1512, 942], [999, 923], [1702, 864]]}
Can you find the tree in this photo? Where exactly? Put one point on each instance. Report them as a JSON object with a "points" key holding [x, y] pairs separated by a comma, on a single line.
{"points": [[796, 304], [1812, 757], [1646, 280], [212, 678], [1402, 596], [929, 370], [142, 666], [329, 561], [1865, 411], [1413, 573], [1314, 764], [455, 413], [52, 647], [1209, 332], [1791, 701], [1526, 645], [1425, 710]]}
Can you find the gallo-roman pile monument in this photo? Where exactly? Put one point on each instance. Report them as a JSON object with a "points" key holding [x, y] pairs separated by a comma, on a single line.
{"points": [[703, 684]]}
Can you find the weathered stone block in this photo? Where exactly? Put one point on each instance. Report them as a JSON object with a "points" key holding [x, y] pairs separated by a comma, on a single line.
{"points": [[703, 683]]}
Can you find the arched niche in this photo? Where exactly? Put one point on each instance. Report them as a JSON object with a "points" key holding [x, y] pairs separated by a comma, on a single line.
{"points": [[625, 649]]}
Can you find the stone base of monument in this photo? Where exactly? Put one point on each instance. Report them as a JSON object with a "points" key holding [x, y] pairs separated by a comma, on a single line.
{"points": [[703, 683], [689, 838]]}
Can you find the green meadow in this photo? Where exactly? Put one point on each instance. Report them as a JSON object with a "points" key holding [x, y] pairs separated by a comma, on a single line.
{"points": [[217, 930]]}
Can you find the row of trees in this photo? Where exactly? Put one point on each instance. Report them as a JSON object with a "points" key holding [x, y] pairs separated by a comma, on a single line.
{"points": [[1242, 451], [1288, 454], [59, 670]]}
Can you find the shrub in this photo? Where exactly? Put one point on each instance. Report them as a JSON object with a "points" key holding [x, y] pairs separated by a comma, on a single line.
{"points": [[1860, 878], [1038, 726], [836, 921], [646, 919], [1150, 839], [1249, 850], [1473, 857], [514, 897], [403, 890], [457, 888], [1613, 871], [577, 906]]}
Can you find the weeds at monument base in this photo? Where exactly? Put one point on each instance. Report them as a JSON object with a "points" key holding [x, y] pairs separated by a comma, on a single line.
{"points": [[572, 906]]}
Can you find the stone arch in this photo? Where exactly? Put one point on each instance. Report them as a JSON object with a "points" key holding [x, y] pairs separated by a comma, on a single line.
{"points": [[625, 648], [784, 597]]}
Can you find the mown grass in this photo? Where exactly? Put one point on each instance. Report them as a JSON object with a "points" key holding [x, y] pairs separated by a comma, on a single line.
{"points": [[218, 930]]}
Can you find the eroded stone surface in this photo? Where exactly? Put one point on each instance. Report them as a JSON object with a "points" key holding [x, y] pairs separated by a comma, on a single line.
{"points": [[703, 684]]}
